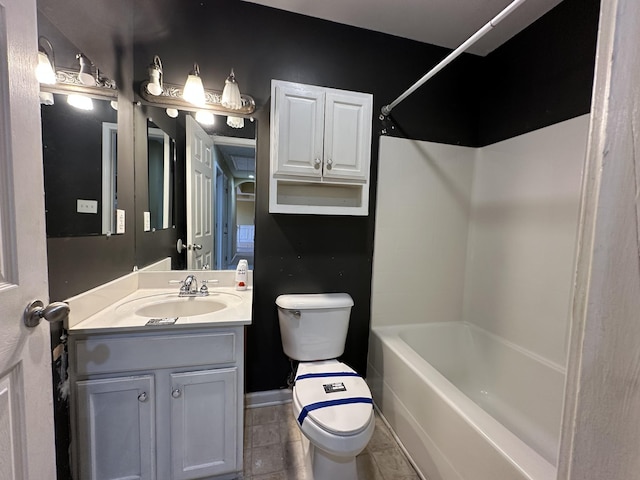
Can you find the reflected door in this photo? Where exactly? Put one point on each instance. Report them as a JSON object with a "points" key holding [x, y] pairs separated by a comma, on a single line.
{"points": [[199, 196], [26, 414]]}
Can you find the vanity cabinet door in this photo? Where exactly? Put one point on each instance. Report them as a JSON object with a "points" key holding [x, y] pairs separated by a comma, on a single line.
{"points": [[204, 422], [116, 428]]}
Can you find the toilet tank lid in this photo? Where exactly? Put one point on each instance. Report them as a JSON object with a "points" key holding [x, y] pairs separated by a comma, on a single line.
{"points": [[314, 300]]}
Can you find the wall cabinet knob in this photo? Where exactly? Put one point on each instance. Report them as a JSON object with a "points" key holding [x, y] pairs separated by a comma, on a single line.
{"points": [[329, 164], [317, 163], [176, 393], [142, 397]]}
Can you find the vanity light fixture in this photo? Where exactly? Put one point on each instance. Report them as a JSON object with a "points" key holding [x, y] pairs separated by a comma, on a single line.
{"points": [[235, 122], [172, 112], [81, 102], [231, 94], [155, 77], [45, 70], [205, 117], [85, 75], [193, 88]]}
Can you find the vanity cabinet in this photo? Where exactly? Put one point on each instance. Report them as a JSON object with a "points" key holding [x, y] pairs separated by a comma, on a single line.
{"points": [[320, 150], [157, 405]]}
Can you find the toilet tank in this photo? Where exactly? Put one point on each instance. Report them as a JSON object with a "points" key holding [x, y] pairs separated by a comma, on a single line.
{"points": [[314, 326]]}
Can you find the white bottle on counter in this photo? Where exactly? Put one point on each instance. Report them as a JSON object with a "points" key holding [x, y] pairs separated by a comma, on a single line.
{"points": [[241, 275]]}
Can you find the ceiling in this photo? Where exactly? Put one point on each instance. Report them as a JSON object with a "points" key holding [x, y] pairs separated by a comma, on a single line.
{"points": [[446, 23]]}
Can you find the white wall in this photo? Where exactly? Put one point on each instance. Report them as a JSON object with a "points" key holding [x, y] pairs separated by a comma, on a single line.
{"points": [[421, 231], [484, 235], [522, 237]]}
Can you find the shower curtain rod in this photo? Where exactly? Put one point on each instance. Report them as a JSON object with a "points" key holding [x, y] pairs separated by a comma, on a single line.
{"points": [[386, 110]]}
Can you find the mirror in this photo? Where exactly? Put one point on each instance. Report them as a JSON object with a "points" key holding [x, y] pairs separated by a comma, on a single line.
{"points": [[228, 204], [161, 158], [80, 165]]}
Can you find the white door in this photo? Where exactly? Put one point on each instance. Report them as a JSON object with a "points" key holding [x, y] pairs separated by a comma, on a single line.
{"points": [[26, 415], [347, 145], [298, 124], [199, 197]]}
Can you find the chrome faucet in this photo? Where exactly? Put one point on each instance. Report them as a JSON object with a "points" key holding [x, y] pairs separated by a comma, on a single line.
{"points": [[189, 286]]}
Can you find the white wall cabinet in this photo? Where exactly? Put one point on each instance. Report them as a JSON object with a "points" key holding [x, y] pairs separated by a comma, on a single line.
{"points": [[157, 406], [320, 150]]}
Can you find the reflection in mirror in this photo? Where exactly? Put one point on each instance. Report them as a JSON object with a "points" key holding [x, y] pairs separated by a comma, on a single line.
{"points": [[235, 200], [80, 165], [161, 157]]}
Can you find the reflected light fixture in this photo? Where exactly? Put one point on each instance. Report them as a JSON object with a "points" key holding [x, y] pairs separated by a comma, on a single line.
{"points": [[81, 102], [45, 70], [235, 122], [85, 75], [193, 88], [231, 94], [172, 112], [155, 77], [204, 117]]}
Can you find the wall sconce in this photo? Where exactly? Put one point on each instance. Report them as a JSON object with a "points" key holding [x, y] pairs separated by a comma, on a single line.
{"points": [[155, 77], [193, 88], [85, 75], [235, 122], [81, 102], [46, 70], [231, 93], [205, 117]]}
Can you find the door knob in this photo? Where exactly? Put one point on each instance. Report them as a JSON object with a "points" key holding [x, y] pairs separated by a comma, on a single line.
{"points": [[195, 246], [35, 311]]}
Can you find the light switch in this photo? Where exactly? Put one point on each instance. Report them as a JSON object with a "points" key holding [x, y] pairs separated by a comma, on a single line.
{"points": [[119, 221], [86, 206], [147, 221]]}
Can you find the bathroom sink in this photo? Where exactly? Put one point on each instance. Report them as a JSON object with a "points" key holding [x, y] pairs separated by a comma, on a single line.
{"points": [[171, 305]]}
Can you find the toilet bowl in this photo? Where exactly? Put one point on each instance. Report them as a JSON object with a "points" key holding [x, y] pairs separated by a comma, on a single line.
{"points": [[332, 404], [333, 408]]}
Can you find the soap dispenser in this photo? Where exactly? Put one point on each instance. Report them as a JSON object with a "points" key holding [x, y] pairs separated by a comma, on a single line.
{"points": [[241, 275]]}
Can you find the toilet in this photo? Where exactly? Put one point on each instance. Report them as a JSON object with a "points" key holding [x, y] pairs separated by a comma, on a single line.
{"points": [[331, 403]]}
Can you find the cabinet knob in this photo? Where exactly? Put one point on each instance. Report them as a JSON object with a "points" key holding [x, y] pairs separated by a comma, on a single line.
{"points": [[329, 164], [142, 397], [176, 393], [317, 163]]}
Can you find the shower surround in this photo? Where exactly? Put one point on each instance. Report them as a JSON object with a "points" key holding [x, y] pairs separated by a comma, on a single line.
{"points": [[490, 238]]}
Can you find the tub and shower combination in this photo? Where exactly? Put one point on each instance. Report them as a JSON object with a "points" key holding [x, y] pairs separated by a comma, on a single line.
{"points": [[466, 404]]}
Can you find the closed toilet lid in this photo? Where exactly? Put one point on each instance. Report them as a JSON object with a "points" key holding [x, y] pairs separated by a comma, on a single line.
{"points": [[333, 396]]}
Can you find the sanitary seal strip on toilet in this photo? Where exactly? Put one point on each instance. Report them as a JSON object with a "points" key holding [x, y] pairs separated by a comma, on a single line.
{"points": [[331, 403], [341, 411]]}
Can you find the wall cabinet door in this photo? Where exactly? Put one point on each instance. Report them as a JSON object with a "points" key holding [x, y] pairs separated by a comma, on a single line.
{"points": [[347, 136], [204, 420], [299, 129], [116, 428]]}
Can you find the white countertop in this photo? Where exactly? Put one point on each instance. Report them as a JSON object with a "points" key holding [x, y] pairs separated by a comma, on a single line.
{"points": [[112, 308]]}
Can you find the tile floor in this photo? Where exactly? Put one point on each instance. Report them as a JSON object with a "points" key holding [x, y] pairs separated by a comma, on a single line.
{"points": [[273, 449]]}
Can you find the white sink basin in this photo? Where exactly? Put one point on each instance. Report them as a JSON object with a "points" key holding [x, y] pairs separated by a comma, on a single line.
{"points": [[165, 305]]}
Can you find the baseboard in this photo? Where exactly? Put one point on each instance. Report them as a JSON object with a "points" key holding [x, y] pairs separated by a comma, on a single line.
{"points": [[267, 398]]}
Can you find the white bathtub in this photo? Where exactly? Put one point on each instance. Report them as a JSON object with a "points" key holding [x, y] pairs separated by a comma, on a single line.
{"points": [[466, 404]]}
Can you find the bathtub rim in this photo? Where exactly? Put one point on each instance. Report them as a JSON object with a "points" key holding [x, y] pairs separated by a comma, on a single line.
{"points": [[511, 447]]}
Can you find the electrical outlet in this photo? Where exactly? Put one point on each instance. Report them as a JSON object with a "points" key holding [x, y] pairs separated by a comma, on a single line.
{"points": [[119, 221], [86, 206], [147, 221]]}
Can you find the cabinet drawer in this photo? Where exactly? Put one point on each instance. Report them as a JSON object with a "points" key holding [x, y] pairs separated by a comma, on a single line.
{"points": [[107, 355]]}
